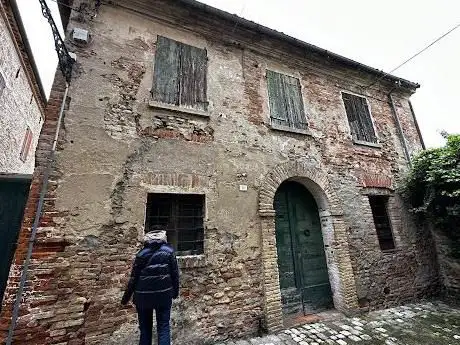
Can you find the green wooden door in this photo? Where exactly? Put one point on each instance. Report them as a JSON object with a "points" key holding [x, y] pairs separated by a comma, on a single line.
{"points": [[13, 196], [304, 279]]}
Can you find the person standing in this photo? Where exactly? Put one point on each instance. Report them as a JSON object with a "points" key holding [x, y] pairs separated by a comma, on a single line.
{"points": [[154, 282]]}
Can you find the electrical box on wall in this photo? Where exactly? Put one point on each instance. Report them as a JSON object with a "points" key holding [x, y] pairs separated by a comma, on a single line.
{"points": [[80, 35]]}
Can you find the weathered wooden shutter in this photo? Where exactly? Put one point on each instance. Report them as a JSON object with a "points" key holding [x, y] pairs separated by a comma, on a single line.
{"points": [[278, 110], [294, 101], [286, 103], [166, 71], [359, 118], [193, 68]]}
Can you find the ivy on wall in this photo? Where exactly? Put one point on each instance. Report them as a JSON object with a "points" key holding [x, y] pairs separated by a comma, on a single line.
{"points": [[432, 188]]}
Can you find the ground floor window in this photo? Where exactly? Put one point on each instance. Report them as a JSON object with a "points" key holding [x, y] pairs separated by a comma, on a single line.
{"points": [[379, 206], [182, 216]]}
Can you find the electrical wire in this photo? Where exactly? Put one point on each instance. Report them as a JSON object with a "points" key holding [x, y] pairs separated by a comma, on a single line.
{"points": [[241, 16], [415, 55], [76, 9]]}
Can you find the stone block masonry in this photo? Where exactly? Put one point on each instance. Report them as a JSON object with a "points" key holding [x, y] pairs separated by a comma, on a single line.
{"points": [[117, 146]]}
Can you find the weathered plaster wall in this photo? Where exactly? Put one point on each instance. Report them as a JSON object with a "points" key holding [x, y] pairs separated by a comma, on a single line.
{"points": [[115, 149], [18, 109]]}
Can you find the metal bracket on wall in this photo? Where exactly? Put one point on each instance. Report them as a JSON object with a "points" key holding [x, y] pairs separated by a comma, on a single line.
{"points": [[65, 61]]}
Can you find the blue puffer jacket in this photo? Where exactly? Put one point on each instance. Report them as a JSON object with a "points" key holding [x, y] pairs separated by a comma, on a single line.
{"points": [[155, 276]]}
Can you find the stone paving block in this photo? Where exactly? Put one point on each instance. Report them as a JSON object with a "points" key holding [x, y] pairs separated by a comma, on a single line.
{"points": [[433, 325]]}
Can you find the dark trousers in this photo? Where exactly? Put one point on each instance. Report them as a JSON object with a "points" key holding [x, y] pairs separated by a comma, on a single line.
{"points": [[145, 316]]}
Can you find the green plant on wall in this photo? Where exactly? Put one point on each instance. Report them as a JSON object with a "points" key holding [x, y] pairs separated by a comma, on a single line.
{"points": [[432, 188]]}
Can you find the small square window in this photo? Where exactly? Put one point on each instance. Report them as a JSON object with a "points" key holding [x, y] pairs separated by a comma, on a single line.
{"points": [[182, 216], [26, 143], [379, 207]]}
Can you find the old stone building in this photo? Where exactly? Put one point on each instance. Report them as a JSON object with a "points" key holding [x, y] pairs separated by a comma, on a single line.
{"points": [[21, 118], [272, 163]]}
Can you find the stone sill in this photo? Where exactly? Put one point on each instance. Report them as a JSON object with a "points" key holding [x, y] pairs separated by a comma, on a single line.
{"points": [[391, 251], [178, 109], [368, 144], [281, 128], [191, 261]]}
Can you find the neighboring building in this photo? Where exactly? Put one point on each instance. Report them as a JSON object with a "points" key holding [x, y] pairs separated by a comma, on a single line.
{"points": [[269, 160], [21, 118]]}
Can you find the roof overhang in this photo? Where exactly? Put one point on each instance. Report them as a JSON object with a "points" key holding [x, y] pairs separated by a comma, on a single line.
{"points": [[244, 23]]}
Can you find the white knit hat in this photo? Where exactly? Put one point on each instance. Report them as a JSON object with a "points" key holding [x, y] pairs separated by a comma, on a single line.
{"points": [[159, 235]]}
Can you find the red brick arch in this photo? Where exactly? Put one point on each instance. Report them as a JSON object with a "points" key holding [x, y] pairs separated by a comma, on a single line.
{"points": [[314, 179], [332, 226]]}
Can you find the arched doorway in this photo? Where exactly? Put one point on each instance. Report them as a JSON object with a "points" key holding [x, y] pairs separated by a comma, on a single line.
{"points": [[302, 266]]}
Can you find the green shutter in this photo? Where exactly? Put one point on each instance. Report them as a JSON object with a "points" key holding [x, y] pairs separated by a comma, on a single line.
{"points": [[193, 67], [359, 118], [278, 111], [294, 102], [365, 120], [286, 102], [166, 71]]}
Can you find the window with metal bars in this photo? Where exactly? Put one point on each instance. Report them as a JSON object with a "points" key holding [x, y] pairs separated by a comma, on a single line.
{"points": [[286, 102], [359, 118], [379, 207], [180, 74], [181, 215]]}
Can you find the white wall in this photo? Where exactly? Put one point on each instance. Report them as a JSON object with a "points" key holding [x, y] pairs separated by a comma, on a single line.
{"points": [[18, 110]]}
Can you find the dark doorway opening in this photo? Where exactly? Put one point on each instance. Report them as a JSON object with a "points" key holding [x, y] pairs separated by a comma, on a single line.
{"points": [[14, 191]]}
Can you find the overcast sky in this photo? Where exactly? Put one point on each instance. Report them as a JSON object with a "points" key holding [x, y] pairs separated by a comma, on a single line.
{"points": [[41, 37], [381, 34]]}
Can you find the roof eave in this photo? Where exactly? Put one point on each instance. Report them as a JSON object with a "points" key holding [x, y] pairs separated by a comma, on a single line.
{"points": [[299, 43]]}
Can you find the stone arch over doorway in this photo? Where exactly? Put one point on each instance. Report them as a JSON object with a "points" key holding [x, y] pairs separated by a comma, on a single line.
{"points": [[334, 234]]}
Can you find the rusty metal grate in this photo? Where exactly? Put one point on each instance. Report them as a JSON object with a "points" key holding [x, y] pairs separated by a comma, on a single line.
{"points": [[182, 217]]}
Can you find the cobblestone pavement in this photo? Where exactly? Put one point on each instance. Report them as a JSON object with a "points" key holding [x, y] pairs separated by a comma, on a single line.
{"points": [[431, 323]]}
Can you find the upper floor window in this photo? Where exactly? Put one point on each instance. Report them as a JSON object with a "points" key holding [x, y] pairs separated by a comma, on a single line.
{"points": [[26, 143], [180, 74], [379, 207], [286, 103], [359, 118], [182, 216]]}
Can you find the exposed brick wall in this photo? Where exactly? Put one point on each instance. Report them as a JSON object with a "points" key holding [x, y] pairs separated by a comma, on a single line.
{"points": [[39, 293], [116, 148]]}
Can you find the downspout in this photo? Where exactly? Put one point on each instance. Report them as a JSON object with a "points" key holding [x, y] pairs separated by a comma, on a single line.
{"points": [[416, 126], [35, 225], [400, 130]]}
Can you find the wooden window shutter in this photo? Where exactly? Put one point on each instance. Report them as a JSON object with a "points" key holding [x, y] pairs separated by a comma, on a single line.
{"points": [[359, 118], [193, 68], [278, 111], [166, 71], [294, 102], [26, 143], [286, 103]]}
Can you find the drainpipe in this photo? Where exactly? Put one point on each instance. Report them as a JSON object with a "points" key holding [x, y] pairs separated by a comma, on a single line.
{"points": [[416, 126], [38, 213], [400, 130]]}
